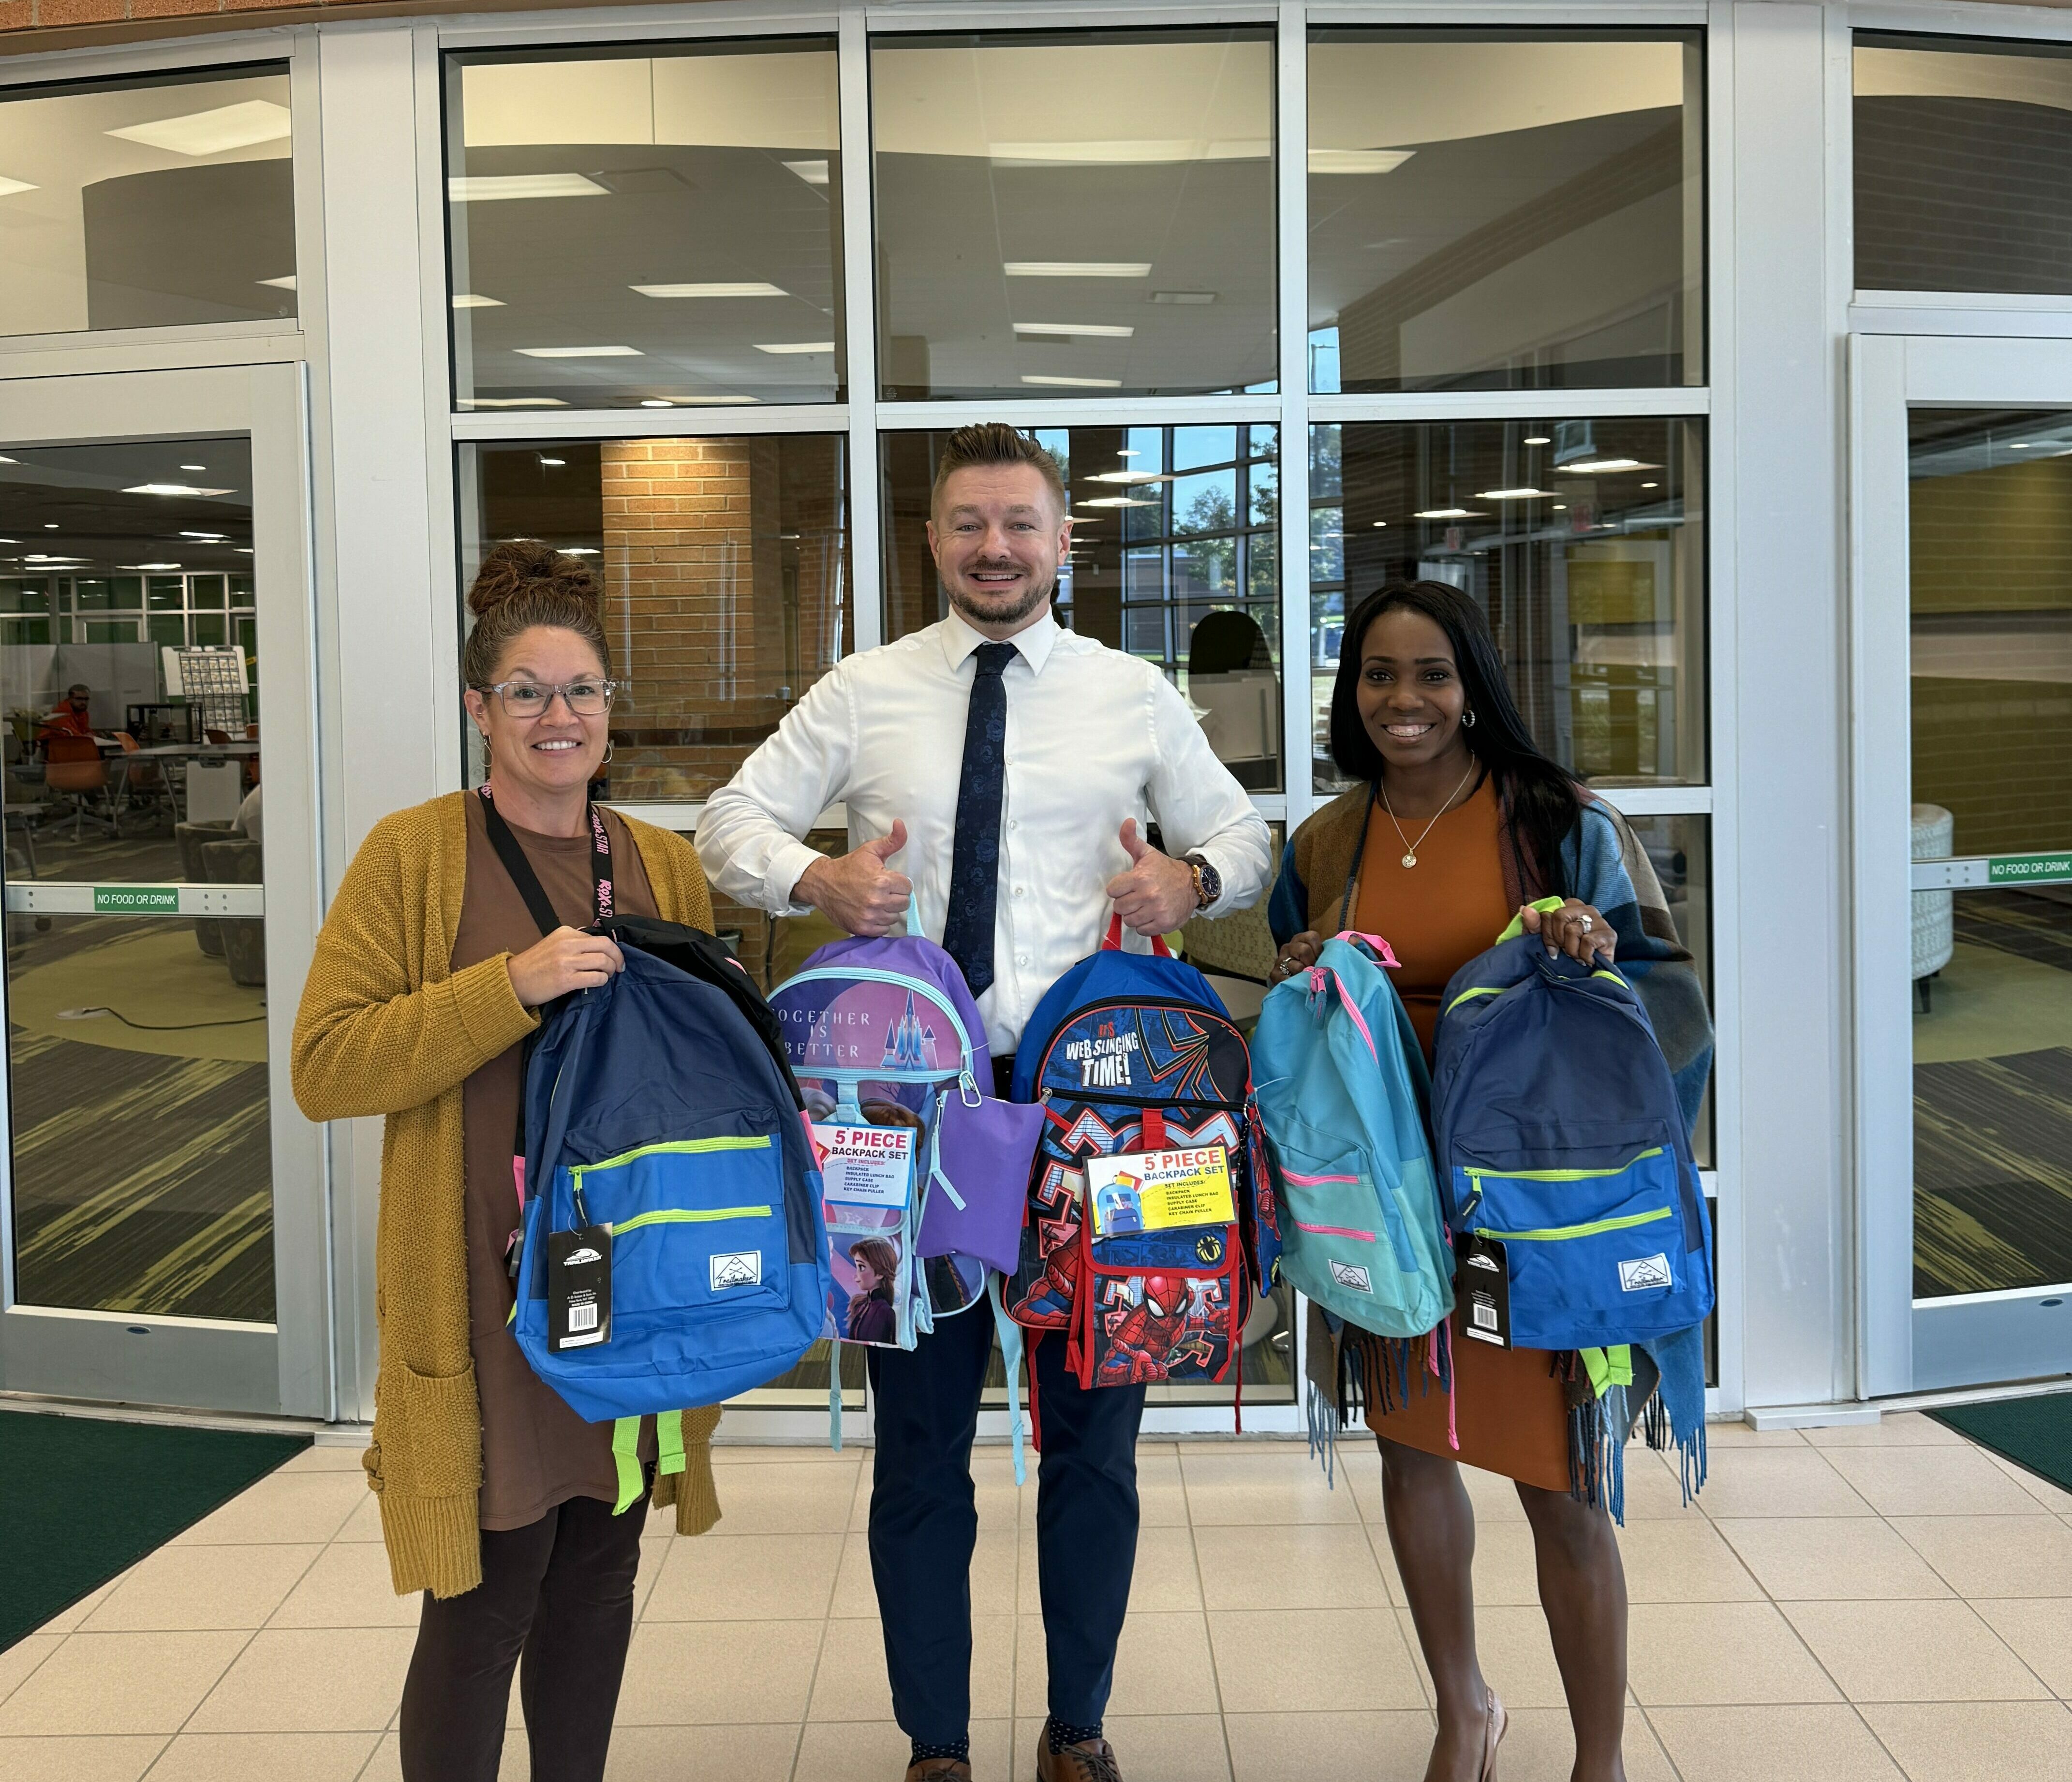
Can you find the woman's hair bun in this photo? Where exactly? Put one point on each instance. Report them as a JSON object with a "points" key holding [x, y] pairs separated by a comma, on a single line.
{"points": [[525, 565]]}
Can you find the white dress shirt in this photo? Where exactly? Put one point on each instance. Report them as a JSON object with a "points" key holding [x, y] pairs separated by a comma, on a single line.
{"points": [[1094, 737]]}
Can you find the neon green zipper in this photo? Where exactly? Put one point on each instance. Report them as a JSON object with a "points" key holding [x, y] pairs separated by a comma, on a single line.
{"points": [[1475, 1176], [758, 1142], [1555, 1234], [688, 1216]]}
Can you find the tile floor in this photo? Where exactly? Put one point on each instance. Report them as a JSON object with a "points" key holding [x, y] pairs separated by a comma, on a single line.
{"points": [[1847, 1604]]}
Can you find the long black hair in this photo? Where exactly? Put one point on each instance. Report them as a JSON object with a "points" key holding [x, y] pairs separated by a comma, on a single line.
{"points": [[1538, 792]]}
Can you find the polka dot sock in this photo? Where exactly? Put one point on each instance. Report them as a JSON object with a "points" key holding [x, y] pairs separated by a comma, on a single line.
{"points": [[959, 1749], [1061, 1735]]}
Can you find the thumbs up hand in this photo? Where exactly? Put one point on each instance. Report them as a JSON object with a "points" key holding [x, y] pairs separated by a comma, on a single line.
{"points": [[1157, 895], [860, 892]]}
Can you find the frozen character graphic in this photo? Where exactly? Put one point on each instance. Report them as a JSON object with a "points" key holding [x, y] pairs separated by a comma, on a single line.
{"points": [[871, 1318], [1167, 1331], [910, 1046]]}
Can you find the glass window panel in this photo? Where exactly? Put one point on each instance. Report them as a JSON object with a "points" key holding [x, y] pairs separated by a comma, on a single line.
{"points": [[147, 204], [1502, 212], [166, 594], [646, 226], [725, 569], [170, 629], [1110, 207], [25, 597], [246, 633], [1191, 584], [208, 628], [1680, 850], [206, 591], [25, 630], [240, 591], [1963, 165], [1582, 540], [1990, 560], [126, 594]]}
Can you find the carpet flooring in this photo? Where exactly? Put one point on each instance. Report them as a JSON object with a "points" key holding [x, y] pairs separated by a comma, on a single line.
{"points": [[82, 1499]]}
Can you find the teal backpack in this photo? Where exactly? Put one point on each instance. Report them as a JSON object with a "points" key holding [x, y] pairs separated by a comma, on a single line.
{"points": [[1341, 1090]]}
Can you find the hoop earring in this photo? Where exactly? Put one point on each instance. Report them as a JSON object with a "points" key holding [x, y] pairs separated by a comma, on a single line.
{"points": [[1467, 720], [611, 743]]}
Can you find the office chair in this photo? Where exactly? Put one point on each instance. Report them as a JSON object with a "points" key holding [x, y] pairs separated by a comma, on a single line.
{"points": [[73, 769]]}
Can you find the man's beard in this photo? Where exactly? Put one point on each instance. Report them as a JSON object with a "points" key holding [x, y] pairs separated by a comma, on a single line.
{"points": [[1031, 599]]}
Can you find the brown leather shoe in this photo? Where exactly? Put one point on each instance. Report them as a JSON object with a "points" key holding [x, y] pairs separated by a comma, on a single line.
{"points": [[939, 1769], [1092, 1762]]}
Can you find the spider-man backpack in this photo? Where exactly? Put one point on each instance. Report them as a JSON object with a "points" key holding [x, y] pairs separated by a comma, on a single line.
{"points": [[1131, 1053]]}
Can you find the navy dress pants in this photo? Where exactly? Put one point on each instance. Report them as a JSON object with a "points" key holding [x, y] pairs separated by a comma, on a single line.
{"points": [[924, 1523]]}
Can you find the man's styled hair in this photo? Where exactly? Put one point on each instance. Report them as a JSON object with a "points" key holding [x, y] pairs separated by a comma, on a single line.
{"points": [[994, 442]]}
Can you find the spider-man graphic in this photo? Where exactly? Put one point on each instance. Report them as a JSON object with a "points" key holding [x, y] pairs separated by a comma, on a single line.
{"points": [[1163, 1333]]}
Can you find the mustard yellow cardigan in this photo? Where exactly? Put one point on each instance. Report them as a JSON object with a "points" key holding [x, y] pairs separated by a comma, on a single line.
{"points": [[388, 1027]]}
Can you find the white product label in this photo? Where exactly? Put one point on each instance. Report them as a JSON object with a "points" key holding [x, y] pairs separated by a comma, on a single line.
{"points": [[1645, 1273], [737, 1268], [866, 1165], [1351, 1274]]}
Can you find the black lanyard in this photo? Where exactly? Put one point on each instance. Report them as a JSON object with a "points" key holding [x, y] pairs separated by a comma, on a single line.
{"points": [[528, 881]]}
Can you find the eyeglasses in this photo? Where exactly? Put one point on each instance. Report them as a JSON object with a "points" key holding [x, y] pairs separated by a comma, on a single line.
{"points": [[529, 699]]}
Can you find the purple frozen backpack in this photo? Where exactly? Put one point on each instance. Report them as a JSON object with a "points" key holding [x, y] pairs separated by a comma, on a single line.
{"points": [[887, 1033]]}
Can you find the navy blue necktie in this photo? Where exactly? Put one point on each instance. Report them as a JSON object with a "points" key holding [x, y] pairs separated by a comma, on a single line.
{"points": [[975, 854]]}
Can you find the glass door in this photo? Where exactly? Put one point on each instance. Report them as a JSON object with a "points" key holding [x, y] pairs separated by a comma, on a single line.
{"points": [[161, 1200], [1964, 596]]}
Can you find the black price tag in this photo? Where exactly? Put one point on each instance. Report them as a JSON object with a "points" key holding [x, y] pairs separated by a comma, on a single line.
{"points": [[1482, 1289], [578, 1287]]}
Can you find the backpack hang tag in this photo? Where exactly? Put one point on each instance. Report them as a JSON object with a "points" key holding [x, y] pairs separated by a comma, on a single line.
{"points": [[1482, 1289], [578, 1287]]}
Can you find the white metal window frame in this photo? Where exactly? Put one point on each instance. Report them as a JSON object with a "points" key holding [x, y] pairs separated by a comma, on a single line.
{"points": [[864, 420]]}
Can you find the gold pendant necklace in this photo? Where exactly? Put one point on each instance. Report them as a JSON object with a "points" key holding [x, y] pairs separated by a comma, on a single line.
{"points": [[1410, 848]]}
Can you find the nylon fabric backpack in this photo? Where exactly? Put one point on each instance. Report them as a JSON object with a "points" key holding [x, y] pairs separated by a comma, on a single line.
{"points": [[658, 1103], [1558, 1135], [885, 1033], [1340, 1089], [1130, 1054]]}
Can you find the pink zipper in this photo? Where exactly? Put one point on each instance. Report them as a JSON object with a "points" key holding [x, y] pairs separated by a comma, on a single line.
{"points": [[1335, 1231], [1314, 1181]]}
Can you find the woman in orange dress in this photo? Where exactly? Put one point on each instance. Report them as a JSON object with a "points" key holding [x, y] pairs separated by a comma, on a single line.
{"points": [[1459, 821]]}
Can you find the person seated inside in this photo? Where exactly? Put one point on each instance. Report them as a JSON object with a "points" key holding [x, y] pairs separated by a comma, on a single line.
{"points": [[69, 717]]}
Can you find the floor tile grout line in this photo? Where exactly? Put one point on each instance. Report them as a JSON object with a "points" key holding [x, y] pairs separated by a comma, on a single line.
{"points": [[1661, 1743], [1208, 1633], [827, 1621]]}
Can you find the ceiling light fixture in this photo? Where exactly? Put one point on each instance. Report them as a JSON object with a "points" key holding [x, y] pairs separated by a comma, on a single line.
{"points": [[511, 402], [1340, 161], [208, 538], [1071, 383], [243, 550], [483, 188], [1127, 476], [1446, 513], [171, 489], [814, 173], [578, 352], [554, 463], [475, 300], [794, 347], [657, 402], [1381, 522], [1118, 501], [577, 550], [1077, 268], [1512, 494], [147, 566], [194, 467], [285, 282], [1650, 486], [214, 132], [1536, 439], [1098, 331], [737, 288], [1604, 466]]}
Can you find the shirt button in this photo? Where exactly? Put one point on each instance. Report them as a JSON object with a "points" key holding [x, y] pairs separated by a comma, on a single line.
{"points": [[1018, 891], [1012, 824], [1022, 958]]}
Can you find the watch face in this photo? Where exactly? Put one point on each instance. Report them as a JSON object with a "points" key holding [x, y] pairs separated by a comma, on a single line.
{"points": [[1212, 882]]}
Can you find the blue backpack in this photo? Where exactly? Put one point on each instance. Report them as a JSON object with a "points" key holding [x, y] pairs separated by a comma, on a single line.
{"points": [[1558, 1135], [1341, 1090], [1131, 1052], [660, 1104]]}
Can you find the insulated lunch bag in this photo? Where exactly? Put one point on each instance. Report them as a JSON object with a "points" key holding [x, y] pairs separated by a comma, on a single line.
{"points": [[1340, 1086], [1135, 1241], [1559, 1137]]}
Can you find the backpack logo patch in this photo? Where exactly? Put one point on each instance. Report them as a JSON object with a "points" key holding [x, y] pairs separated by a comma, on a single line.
{"points": [[576, 1258], [1209, 1247], [1352, 1276], [1645, 1272], [737, 1268]]}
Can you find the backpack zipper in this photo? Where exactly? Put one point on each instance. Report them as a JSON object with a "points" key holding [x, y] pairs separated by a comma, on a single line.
{"points": [[964, 1074], [1081, 1093], [760, 1141], [1592, 1229], [1475, 1176], [688, 1216]]}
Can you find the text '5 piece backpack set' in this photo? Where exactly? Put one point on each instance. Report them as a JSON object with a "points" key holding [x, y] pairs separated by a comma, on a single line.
{"points": [[833, 1166]]}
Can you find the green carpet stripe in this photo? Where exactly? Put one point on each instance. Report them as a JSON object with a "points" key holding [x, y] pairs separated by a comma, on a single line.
{"points": [[2036, 1433], [82, 1499]]}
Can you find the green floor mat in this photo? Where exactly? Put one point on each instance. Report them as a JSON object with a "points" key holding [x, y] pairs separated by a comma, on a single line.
{"points": [[81, 1499], [2035, 1433]]}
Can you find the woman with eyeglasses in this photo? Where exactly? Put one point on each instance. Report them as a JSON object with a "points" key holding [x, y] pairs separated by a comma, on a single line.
{"points": [[496, 1499]]}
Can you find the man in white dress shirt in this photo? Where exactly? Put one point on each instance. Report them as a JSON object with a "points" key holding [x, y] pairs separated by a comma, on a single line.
{"points": [[999, 770]]}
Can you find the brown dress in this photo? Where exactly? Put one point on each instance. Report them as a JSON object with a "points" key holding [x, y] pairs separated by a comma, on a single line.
{"points": [[535, 1452], [1510, 1410]]}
